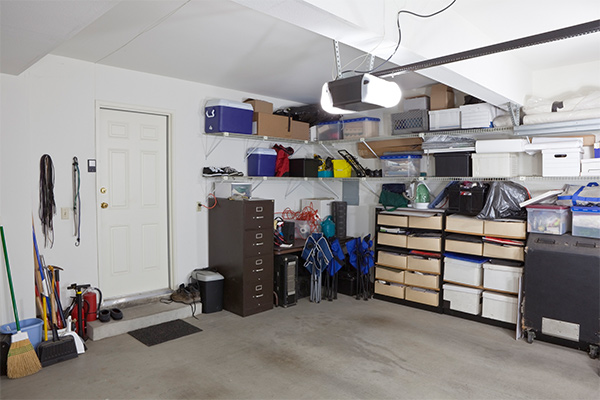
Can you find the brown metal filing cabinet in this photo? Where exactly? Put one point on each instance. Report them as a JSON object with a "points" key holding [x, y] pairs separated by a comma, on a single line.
{"points": [[240, 247]]}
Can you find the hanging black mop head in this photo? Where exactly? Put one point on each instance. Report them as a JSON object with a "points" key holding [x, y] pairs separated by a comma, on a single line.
{"points": [[57, 350]]}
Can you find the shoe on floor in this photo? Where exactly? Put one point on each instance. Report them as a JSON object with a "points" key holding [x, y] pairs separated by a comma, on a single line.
{"points": [[232, 171], [182, 295], [194, 291], [212, 171]]}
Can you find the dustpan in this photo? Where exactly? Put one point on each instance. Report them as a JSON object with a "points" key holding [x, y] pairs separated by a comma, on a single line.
{"points": [[57, 350]]}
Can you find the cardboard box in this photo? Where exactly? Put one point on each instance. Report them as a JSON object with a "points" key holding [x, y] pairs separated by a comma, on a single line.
{"points": [[425, 243], [429, 297], [459, 246], [442, 97], [396, 291], [385, 146], [264, 124], [422, 280], [507, 229], [503, 251], [389, 275], [434, 222], [260, 106], [392, 220], [463, 224], [299, 130], [390, 239], [424, 264], [390, 259]]}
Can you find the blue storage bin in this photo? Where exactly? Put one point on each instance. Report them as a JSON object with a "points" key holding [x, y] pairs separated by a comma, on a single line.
{"points": [[261, 161], [33, 327], [228, 116]]}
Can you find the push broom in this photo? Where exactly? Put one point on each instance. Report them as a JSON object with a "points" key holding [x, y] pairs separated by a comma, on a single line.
{"points": [[22, 360]]}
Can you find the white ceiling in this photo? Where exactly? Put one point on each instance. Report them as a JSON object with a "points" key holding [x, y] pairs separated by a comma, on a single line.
{"points": [[283, 48]]}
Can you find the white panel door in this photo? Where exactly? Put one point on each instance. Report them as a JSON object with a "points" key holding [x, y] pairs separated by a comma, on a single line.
{"points": [[132, 202]]}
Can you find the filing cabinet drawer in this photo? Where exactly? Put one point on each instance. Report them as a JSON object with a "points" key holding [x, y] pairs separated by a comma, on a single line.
{"points": [[258, 265], [258, 215], [258, 243]]}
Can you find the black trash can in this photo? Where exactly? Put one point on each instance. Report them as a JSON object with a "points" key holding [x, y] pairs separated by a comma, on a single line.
{"points": [[210, 284]]}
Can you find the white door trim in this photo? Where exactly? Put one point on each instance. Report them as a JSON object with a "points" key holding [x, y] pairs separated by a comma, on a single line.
{"points": [[140, 109]]}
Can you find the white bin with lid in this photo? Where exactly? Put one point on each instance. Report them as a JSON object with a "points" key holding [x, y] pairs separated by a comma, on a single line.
{"points": [[464, 299], [502, 277]]}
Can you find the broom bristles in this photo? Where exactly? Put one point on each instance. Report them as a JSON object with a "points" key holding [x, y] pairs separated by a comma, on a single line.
{"points": [[21, 360]]}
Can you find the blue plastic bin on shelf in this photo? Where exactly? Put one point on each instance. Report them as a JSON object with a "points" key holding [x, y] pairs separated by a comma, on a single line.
{"points": [[261, 161], [228, 116], [33, 327]]}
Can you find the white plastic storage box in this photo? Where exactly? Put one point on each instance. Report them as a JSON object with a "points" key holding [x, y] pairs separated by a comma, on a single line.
{"points": [[332, 130], [542, 218], [502, 277], [590, 167], [465, 269], [401, 165], [320, 204], [561, 162], [478, 115], [464, 299], [261, 161], [361, 128], [586, 221], [228, 116], [501, 307], [444, 119], [495, 165], [416, 103]]}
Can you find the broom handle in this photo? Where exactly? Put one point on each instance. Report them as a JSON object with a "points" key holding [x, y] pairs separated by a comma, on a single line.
{"points": [[10, 283]]}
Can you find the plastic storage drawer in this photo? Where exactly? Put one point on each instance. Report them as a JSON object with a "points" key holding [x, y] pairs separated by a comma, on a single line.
{"points": [[330, 130], [361, 128], [586, 221], [401, 165], [550, 219]]}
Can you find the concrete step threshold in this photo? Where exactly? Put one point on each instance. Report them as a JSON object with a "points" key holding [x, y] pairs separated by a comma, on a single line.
{"points": [[139, 311]]}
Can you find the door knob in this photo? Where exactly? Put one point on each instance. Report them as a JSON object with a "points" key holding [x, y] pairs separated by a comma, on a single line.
{"points": [[104, 205], [102, 190]]}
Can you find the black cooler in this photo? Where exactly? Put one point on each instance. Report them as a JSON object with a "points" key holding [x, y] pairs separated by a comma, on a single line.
{"points": [[561, 290]]}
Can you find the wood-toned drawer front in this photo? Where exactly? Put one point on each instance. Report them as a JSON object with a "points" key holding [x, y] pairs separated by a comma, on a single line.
{"points": [[430, 297], [389, 290], [390, 275], [434, 222], [422, 280], [258, 243], [425, 243], [459, 246], [391, 259], [389, 239], [392, 220], [258, 215], [503, 251], [510, 229], [416, 263]]}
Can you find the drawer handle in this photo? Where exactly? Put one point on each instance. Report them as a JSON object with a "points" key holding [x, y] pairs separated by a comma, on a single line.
{"points": [[259, 244], [259, 217], [258, 296], [258, 270], [259, 235], [259, 209], [258, 288], [258, 262]]}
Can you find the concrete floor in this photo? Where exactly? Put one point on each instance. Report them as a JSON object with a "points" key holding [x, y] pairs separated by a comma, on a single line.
{"points": [[342, 349]]}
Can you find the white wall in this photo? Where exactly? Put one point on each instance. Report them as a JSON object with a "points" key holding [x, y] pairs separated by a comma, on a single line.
{"points": [[555, 83], [50, 109]]}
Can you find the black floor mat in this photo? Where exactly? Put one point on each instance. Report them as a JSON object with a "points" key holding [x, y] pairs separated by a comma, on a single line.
{"points": [[164, 332]]}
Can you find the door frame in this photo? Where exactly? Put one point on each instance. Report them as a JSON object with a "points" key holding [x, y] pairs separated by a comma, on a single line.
{"points": [[100, 104]]}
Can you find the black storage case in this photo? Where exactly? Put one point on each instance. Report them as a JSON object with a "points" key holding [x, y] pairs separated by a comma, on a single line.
{"points": [[339, 212], [561, 290], [466, 200], [304, 167], [285, 277], [453, 164]]}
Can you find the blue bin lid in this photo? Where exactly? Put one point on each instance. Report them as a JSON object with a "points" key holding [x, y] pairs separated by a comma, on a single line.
{"points": [[361, 119], [262, 151], [586, 209], [400, 156]]}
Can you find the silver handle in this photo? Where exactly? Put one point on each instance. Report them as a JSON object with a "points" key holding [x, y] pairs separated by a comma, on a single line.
{"points": [[259, 235], [258, 270], [258, 288], [258, 262], [259, 295], [259, 217], [259, 244], [259, 209]]}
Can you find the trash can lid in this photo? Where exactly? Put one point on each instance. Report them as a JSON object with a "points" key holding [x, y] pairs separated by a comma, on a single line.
{"points": [[205, 275]]}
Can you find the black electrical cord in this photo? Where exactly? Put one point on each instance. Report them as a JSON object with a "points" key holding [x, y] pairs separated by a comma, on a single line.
{"points": [[76, 200], [400, 35], [47, 205]]}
